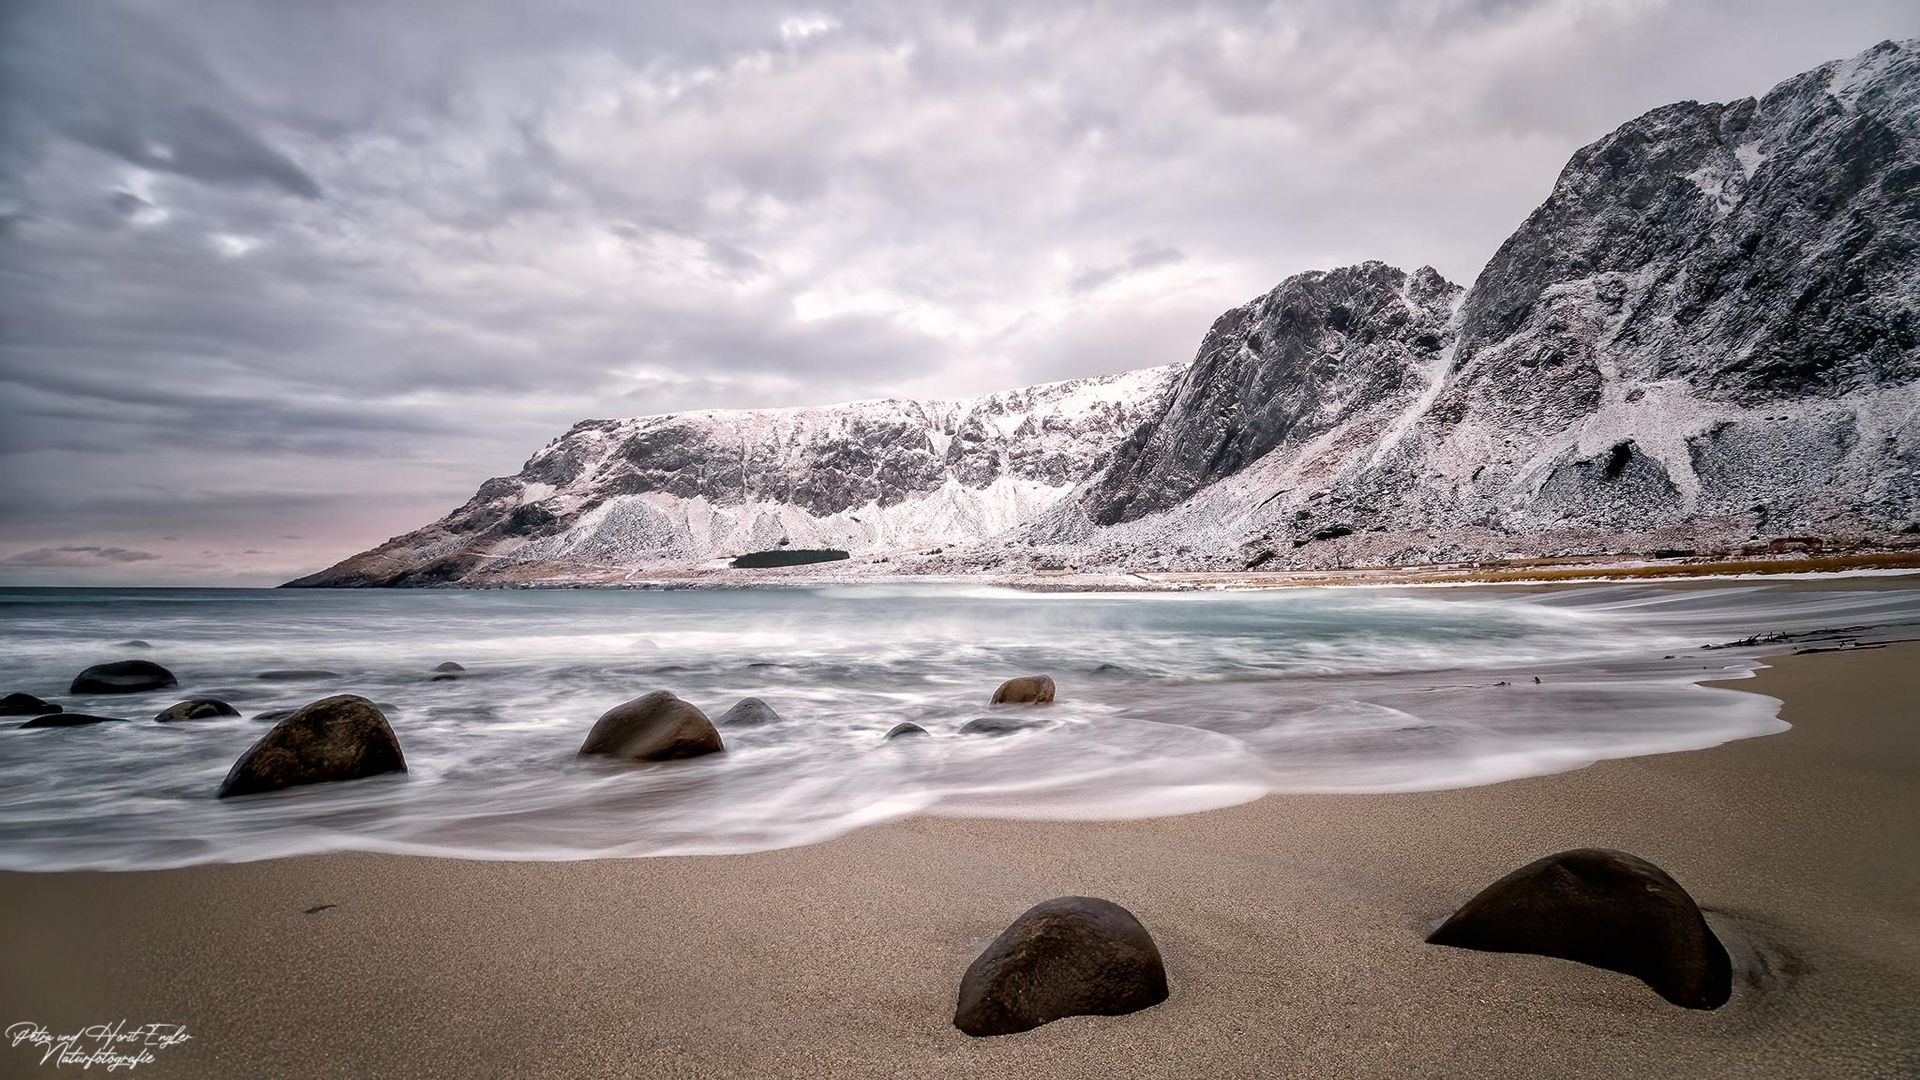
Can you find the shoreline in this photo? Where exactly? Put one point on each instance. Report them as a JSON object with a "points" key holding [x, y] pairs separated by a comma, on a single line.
{"points": [[1578, 570], [1291, 925]]}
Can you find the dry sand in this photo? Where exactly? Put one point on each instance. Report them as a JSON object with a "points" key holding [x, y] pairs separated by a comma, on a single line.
{"points": [[1291, 927]]}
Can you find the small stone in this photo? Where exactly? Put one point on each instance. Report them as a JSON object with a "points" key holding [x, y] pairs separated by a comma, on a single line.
{"points": [[1034, 689], [26, 705], [72, 719], [344, 737], [1073, 956], [904, 729], [748, 712], [653, 727], [196, 709], [994, 725], [1605, 908], [123, 677]]}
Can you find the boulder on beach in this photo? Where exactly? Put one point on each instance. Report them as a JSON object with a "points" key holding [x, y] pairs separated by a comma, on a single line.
{"points": [[123, 677], [72, 719], [653, 727], [1027, 689], [1605, 908], [26, 705], [196, 709], [994, 725], [344, 737], [296, 674], [748, 712], [1074, 956], [904, 729]]}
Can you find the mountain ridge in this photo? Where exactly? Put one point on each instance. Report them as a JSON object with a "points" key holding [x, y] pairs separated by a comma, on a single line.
{"points": [[1707, 334]]}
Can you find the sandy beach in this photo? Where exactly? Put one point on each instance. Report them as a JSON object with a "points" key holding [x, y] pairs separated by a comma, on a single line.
{"points": [[1292, 929]]}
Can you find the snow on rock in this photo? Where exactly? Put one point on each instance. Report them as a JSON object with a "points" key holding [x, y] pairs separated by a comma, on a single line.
{"points": [[1708, 334]]}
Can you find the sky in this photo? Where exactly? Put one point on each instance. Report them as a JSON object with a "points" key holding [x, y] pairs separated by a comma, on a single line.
{"points": [[280, 280]]}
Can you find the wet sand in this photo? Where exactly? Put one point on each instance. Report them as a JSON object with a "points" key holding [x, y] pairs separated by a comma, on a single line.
{"points": [[1291, 928]]}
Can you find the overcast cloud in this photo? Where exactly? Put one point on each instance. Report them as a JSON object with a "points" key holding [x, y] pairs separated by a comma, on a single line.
{"points": [[280, 280]]}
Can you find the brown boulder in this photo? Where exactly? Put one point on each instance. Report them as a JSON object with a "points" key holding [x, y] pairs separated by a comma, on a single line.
{"points": [[652, 727], [196, 709], [1605, 908], [1027, 689], [345, 737], [1074, 956]]}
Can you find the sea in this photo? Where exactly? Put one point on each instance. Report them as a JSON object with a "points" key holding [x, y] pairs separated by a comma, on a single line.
{"points": [[1167, 703]]}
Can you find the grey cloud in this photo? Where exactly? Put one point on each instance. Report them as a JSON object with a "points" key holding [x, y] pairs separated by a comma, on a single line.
{"points": [[78, 555], [315, 270]]}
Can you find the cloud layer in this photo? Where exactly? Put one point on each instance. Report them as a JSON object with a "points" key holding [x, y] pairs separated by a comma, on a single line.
{"points": [[278, 281]]}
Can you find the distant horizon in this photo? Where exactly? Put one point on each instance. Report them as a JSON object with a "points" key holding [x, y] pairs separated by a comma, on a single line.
{"points": [[257, 323]]}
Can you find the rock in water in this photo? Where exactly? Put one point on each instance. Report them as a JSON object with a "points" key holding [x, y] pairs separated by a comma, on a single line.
{"points": [[447, 666], [25, 705], [1074, 956], [652, 727], [447, 671], [71, 719], [136, 643], [994, 725], [296, 674], [122, 677], [748, 712], [904, 729], [1605, 908], [344, 737], [1036, 689], [196, 709]]}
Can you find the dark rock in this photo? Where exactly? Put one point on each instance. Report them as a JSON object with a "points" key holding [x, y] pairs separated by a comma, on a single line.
{"points": [[1074, 956], [904, 729], [25, 705], [338, 738], [123, 677], [274, 715], [136, 643], [196, 709], [72, 719], [1109, 669], [296, 674], [1605, 908], [447, 667], [748, 712], [994, 725], [653, 727], [1037, 689]]}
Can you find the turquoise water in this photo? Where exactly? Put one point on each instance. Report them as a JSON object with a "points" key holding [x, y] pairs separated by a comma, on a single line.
{"points": [[1169, 703]]}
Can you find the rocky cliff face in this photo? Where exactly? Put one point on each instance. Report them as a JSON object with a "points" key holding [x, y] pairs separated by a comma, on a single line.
{"points": [[1708, 333], [689, 489]]}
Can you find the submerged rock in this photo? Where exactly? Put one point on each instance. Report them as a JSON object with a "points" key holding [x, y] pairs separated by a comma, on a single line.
{"points": [[26, 705], [653, 727], [904, 729], [1605, 908], [446, 671], [1073, 956], [447, 666], [1034, 689], [274, 715], [123, 677], [295, 674], [136, 643], [994, 725], [748, 712], [196, 709], [72, 719], [344, 737]]}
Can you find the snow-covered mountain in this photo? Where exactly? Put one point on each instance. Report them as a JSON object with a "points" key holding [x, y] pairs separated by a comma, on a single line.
{"points": [[1708, 334], [685, 489]]}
